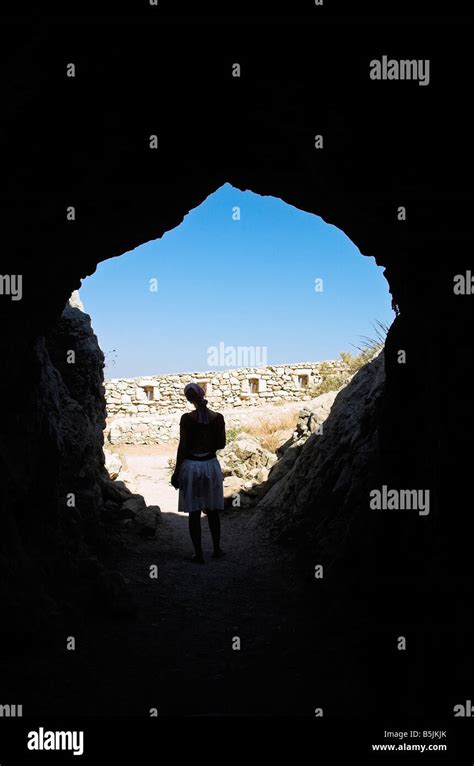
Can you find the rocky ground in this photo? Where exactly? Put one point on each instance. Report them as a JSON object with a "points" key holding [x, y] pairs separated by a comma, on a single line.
{"points": [[173, 649], [261, 448], [253, 633]]}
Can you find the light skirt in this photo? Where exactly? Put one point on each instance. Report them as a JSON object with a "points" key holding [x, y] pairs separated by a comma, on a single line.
{"points": [[201, 486]]}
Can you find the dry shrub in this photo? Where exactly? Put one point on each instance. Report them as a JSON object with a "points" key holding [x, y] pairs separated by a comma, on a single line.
{"points": [[273, 429]]}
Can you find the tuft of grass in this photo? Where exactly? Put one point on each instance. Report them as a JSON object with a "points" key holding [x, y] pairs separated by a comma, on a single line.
{"points": [[271, 429], [331, 383], [371, 346], [367, 349], [171, 465]]}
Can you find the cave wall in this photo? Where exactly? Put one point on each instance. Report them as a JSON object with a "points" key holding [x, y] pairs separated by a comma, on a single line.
{"points": [[54, 470], [85, 142], [82, 413], [319, 504]]}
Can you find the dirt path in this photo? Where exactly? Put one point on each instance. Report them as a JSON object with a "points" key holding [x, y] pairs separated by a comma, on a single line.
{"points": [[148, 474], [179, 653], [193, 617]]}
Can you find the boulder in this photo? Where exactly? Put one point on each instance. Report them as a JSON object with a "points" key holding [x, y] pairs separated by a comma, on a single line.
{"points": [[133, 506], [111, 505], [244, 457], [283, 465], [146, 520], [232, 485], [113, 464], [115, 490]]}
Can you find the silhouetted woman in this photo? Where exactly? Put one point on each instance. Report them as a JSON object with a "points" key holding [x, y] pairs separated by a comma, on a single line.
{"points": [[198, 475]]}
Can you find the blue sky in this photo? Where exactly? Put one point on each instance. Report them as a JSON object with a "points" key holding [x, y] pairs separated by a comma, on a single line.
{"points": [[243, 283]]}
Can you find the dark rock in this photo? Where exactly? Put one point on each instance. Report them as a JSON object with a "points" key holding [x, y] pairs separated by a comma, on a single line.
{"points": [[111, 505], [115, 491], [326, 486], [146, 520], [133, 505]]}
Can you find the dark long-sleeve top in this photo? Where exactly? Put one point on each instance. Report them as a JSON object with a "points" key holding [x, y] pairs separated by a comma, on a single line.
{"points": [[197, 438]]}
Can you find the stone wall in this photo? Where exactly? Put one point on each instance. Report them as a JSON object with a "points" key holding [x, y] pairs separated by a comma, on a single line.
{"points": [[147, 410], [245, 386], [146, 428]]}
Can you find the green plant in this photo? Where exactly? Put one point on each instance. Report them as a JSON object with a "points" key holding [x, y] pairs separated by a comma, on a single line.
{"points": [[331, 383], [371, 346], [368, 348], [232, 434]]}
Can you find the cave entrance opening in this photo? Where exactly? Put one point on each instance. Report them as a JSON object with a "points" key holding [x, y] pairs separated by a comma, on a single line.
{"points": [[275, 284]]}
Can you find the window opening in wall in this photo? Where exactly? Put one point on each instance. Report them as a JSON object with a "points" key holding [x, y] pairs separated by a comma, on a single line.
{"points": [[253, 385], [149, 393]]}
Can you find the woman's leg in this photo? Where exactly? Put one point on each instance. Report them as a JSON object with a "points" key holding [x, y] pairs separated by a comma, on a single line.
{"points": [[195, 532], [215, 528]]}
